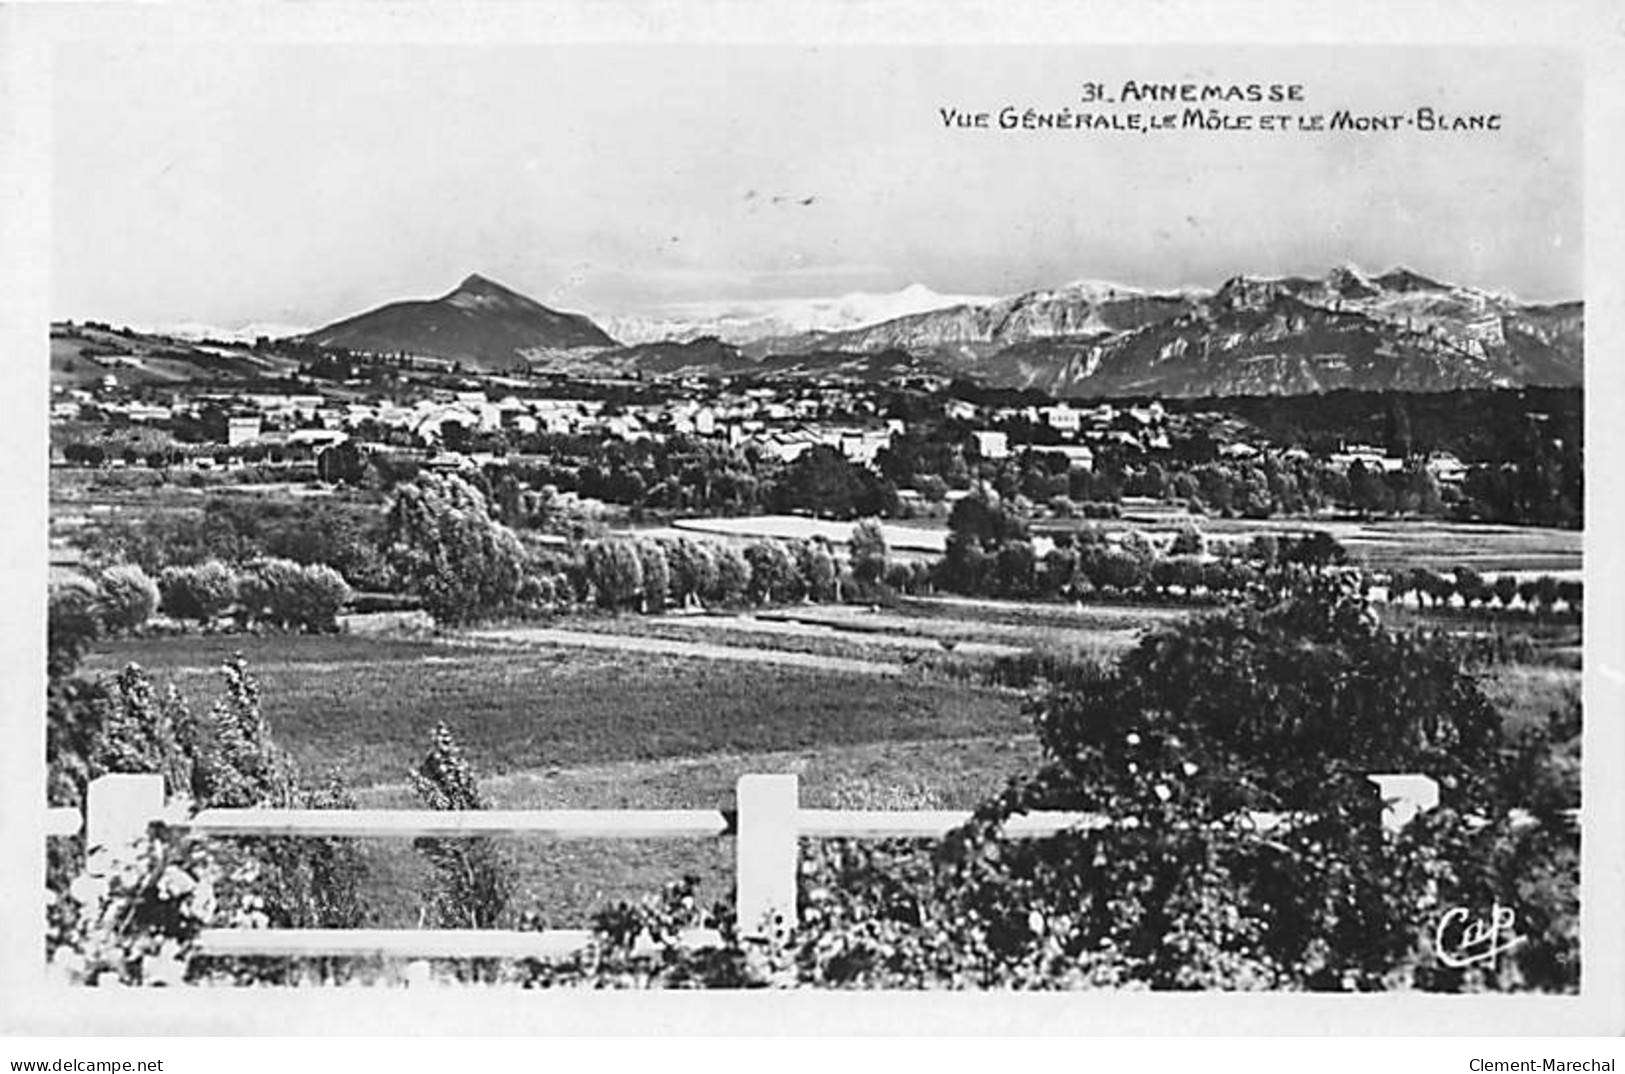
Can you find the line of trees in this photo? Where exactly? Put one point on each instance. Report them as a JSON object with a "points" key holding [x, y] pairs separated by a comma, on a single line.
{"points": [[991, 552]]}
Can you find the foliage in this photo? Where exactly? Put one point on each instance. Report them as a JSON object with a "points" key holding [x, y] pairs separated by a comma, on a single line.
{"points": [[203, 592], [733, 574], [615, 571], [74, 620], [444, 545], [221, 758], [1188, 541], [826, 483], [656, 575], [774, 577], [236, 528], [868, 551], [693, 572], [1278, 708], [133, 919], [129, 596], [473, 878], [979, 525], [818, 571], [286, 595]]}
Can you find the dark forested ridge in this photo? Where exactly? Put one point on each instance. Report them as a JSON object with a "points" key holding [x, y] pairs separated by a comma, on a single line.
{"points": [[1489, 425]]}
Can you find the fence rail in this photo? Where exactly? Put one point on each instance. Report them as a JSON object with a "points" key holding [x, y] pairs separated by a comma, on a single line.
{"points": [[767, 825], [415, 943], [439, 824]]}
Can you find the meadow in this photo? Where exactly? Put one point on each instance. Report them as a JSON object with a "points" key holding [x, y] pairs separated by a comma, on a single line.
{"points": [[558, 727], [552, 725]]}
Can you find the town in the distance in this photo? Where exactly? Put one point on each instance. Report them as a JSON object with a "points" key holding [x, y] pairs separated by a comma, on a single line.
{"points": [[1266, 598], [1384, 396]]}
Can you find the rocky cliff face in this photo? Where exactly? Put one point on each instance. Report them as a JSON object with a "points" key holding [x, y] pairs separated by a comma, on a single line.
{"points": [[1081, 309], [1282, 335]]}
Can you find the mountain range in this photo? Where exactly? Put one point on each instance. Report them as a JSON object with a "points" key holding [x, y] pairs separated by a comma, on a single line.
{"points": [[744, 322], [1250, 336]]}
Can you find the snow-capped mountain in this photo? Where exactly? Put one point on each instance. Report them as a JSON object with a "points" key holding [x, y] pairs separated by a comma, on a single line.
{"points": [[746, 321], [244, 333], [1079, 309]]}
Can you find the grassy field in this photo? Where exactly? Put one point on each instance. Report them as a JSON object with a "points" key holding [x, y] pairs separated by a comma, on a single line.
{"points": [[563, 727], [571, 729], [568, 880], [366, 706]]}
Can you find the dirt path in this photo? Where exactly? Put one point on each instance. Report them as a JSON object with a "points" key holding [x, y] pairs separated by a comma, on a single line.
{"points": [[796, 624], [698, 650]]}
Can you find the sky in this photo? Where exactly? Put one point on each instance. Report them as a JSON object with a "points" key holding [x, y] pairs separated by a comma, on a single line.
{"points": [[296, 184]]}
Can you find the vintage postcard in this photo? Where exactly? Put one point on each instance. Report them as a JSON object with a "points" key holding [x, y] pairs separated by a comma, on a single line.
{"points": [[867, 524]]}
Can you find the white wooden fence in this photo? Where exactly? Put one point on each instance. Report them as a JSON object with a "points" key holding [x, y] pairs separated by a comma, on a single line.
{"points": [[768, 824]]}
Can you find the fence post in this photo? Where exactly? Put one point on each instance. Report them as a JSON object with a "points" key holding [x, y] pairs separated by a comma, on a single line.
{"points": [[767, 853], [1404, 795], [119, 808]]}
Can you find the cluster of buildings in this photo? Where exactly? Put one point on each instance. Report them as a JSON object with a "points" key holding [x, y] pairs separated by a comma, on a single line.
{"points": [[784, 421], [1075, 432]]}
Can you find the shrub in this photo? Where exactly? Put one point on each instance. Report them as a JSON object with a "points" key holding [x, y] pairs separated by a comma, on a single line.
{"points": [[286, 595], [221, 758], [869, 552], [773, 574], [473, 878], [656, 575], [693, 570], [615, 571], [202, 593], [1281, 707], [129, 597], [73, 622], [1188, 541], [444, 545], [818, 570], [1116, 569], [733, 574], [538, 593], [1015, 569]]}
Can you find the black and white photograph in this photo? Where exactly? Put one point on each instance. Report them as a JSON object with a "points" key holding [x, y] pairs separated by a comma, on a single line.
{"points": [[544, 513]]}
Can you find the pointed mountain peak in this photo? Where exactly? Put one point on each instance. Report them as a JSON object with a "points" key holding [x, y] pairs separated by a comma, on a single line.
{"points": [[481, 323], [481, 292], [477, 284]]}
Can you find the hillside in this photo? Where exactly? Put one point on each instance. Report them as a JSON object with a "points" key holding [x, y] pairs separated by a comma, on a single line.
{"points": [[481, 324], [84, 355]]}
